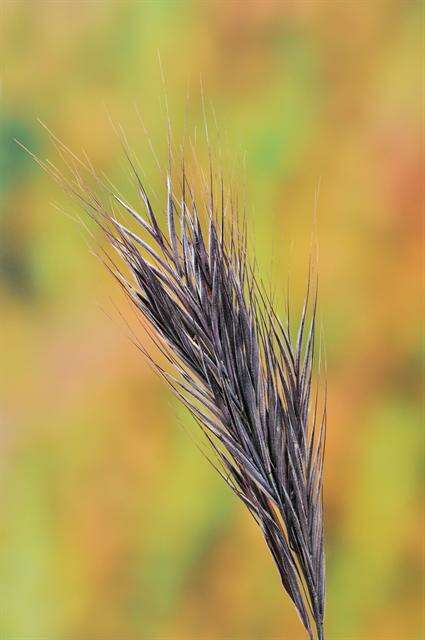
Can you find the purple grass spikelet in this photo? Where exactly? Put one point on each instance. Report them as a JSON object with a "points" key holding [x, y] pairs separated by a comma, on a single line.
{"points": [[227, 356]]}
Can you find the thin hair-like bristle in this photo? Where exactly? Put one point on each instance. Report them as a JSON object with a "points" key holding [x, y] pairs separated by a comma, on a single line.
{"points": [[232, 362]]}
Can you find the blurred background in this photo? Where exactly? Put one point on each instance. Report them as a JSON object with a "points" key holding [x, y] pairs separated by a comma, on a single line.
{"points": [[112, 524]]}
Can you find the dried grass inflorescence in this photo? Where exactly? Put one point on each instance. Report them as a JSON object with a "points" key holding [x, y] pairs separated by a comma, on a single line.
{"points": [[227, 356]]}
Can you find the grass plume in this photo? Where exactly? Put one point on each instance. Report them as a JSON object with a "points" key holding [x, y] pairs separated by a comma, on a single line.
{"points": [[245, 378]]}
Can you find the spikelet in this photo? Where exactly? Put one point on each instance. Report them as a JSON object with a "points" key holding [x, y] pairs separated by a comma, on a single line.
{"points": [[231, 361]]}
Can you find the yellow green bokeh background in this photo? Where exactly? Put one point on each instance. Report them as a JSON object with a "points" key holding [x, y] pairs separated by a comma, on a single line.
{"points": [[112, 525]]}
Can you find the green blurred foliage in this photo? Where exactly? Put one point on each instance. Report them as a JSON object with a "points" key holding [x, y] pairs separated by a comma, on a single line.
{"points": [[113, 526]]}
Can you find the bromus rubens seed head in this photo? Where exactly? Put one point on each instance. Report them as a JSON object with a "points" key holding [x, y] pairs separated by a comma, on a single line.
{"points": [[245, 378]]}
